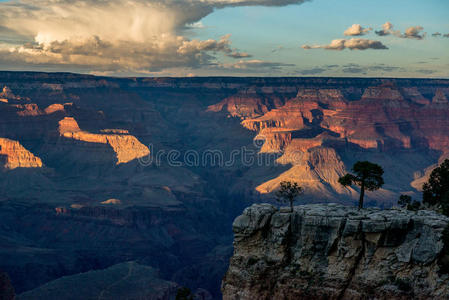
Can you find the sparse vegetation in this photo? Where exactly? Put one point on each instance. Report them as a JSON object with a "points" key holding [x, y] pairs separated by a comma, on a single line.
{"points": [[288, 192], [367, 175], [436, 190], [415, 205], [404, 200]]}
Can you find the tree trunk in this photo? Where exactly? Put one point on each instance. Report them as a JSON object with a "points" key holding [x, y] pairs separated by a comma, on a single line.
{"points": [[362, 194], [291, 205]]}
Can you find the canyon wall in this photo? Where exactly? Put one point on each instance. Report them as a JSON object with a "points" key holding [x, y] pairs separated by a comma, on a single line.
{"points": [[336, 252], [15, 155], [86, 181]]}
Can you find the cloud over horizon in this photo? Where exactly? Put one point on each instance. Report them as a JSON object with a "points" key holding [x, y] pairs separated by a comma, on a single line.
{"points": [[255, 64], [139, 35], [352, 44]]}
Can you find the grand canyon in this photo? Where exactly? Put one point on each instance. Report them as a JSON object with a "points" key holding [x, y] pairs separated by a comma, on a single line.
{"points": [[138, 180]]}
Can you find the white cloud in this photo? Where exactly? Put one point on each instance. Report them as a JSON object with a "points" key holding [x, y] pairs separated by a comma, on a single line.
{"points": [[413, 32], [100, 35], [356, 30], [237, 54], [387, 29], [352, 44]]}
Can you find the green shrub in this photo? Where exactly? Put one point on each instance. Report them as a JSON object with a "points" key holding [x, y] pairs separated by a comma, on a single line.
{"points": [[436, 190], [404, 200], [415, 206]]}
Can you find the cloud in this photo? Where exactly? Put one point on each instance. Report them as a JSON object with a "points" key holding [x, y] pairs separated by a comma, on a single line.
{"points": [[197, 46], [413, 32], [255, 65], [352, 68], [313, 71], [318, 70], [356, 30], [376, 69], [236, 54], [352, 44], [386, 29], [426, 71], [196, 25], [278, 49], [113, 35], [358, 69]]}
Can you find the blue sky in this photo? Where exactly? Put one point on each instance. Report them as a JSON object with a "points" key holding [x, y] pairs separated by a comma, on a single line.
{"points": [[226, 38]]}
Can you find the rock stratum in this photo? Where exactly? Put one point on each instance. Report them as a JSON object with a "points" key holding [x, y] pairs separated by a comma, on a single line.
{"points": [[332, 251], [95, 171], [125, 146], [13, 155]]}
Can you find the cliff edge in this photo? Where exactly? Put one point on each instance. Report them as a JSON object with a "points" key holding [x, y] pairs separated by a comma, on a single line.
{"points": [[330, 251]]}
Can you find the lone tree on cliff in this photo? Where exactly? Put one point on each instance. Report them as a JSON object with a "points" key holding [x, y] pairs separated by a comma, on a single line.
{"points": [[436, 190], [367, 176], [288, 192]]}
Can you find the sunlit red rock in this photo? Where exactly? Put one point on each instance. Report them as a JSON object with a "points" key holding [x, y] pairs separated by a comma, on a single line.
{"points": [[54, 108], [13, 155], [125, 146], [385, 117]]}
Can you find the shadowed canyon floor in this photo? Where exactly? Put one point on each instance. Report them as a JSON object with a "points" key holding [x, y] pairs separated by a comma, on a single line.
{"points": [[99, 171]]}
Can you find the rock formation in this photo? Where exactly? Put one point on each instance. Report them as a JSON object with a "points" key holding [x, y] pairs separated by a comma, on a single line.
{"points": [[125, 146], [92, 206], [383, 118], [336, 252], [14, 155]]}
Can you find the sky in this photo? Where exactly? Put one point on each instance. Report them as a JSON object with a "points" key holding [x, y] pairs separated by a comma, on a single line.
{"points": [[399, 38]]}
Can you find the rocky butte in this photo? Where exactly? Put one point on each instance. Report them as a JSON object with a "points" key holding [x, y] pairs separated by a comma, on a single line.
{"points": [[331, 251]]}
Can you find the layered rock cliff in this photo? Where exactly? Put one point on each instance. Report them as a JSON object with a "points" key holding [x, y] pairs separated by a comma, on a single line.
{"points": [[126, 147], [14, 155], [336, 252]]}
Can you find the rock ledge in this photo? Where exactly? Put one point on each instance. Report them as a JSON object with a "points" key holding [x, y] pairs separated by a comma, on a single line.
{"points": [[331, 251]]}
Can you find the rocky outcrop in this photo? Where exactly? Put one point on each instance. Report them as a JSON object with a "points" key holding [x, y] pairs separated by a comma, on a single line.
{"points": [[242, 106], [55, 108], [336, 252], [14, 155], [314, 169], [125, 146]]}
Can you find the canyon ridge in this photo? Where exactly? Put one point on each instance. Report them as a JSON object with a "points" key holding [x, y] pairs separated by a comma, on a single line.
{"points": [[103, 175]]}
